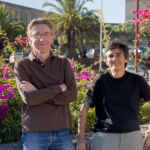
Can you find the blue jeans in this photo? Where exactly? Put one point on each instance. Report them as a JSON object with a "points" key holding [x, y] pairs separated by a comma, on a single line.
{"points": [[50, 140]]}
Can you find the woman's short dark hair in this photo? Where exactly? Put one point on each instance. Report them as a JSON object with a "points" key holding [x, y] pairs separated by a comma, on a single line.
{"points": [[116, 44]]}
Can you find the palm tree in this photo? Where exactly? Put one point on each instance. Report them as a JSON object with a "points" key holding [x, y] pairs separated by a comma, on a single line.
{"points": [[74, 22], [12, 28]]}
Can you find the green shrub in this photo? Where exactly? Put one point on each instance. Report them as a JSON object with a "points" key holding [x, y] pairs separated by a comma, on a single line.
{"points": [[10, 126], [144, 113], [84, 76]]}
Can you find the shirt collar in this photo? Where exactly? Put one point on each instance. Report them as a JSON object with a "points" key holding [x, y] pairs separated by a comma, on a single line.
{"points": [[34, 58]]}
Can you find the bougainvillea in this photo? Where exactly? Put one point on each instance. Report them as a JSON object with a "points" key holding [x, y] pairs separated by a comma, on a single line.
{"points": [[6, 91], [143, 14]]}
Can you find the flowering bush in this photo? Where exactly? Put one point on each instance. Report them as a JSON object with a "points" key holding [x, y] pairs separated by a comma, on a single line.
{"points": [[3, 109], [6, 91], [6, 71], [143, 13], [10, 116], [10, 124], [21, 42], [144, 25], [83, 76]]}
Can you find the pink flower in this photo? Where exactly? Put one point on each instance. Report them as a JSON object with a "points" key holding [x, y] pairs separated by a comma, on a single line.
{"points": [[85, 77], [21, 43], [6, 92], [145, 16], [25, 38], [72, 59], [135, 20], [72, 66], [2, 66], [7, 85], [4, 78], [146, 10], [78, 78], [144, 13], [3, 109], [86, 86], [4, 72], [133, 11], [90, 75], [14, 45], [84, 73]]}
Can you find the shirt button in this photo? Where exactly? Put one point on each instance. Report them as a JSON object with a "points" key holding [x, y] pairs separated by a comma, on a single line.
{"points": [[42, 65]]}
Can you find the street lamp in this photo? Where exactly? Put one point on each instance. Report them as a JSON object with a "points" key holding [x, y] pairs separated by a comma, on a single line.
{"points": [[100, 52], [136, 36]]}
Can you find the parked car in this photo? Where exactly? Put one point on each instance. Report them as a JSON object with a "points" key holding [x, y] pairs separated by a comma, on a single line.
{"points": [[92, 53], [15, 57], [141, 49], [132, 69]]}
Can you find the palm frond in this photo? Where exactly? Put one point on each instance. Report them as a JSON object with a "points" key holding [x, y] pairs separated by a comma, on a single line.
{"points": [[58, 9]]}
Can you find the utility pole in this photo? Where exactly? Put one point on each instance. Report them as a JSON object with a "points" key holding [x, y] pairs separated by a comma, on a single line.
{"points": [[137, 37], [100, 52]]}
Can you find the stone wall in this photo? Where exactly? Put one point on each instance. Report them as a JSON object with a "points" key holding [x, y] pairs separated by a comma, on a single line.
{"points": [[10, 146]]}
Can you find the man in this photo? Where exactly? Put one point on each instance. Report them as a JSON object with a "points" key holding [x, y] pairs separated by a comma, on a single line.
{"points": [[46, 84], [116, 96]]}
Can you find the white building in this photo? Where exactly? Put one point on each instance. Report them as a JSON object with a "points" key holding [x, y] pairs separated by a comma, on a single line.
{"points": [[24, 14]]}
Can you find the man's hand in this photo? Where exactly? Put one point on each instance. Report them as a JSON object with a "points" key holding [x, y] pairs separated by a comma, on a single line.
{"points": [[81, 144], [147, 139], [27, 86], [63, 87]]}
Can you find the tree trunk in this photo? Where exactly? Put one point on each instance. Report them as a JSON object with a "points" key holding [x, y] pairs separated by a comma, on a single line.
{"points": [[60, 47], [71, 44]]}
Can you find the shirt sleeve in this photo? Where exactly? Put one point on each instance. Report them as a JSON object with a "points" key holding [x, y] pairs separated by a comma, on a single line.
{"points": [[34, 97], [144, 89], [92, 94], [70, 95]]}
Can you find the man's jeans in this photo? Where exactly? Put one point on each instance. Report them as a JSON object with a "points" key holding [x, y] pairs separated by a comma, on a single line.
{"points": [[51, 140]]}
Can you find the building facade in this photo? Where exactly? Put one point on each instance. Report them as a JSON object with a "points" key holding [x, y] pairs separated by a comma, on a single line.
{"points": [[131, 5], [22, 13]]}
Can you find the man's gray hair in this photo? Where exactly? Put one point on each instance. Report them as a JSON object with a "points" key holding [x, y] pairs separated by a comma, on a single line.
{"points": [[40, 21]]}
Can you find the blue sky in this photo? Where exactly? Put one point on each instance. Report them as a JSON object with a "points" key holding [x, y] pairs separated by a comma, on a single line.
{"points": [[113, 10]]}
